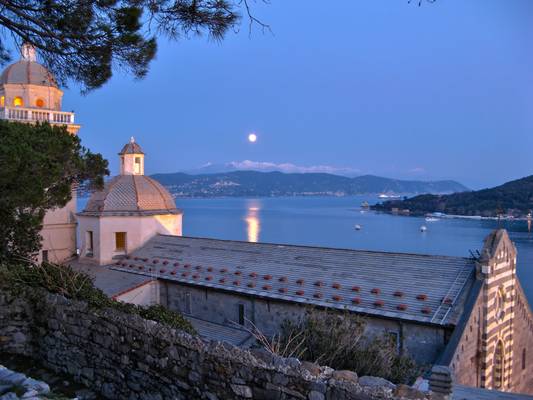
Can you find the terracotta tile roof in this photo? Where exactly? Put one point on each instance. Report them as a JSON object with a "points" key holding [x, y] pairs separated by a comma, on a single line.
{"points": [[131, 195], [27, 72]]}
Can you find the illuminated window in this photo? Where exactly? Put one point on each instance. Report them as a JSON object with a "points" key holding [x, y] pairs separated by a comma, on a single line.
{"points": [[39, 103], [137, 165], [2, 101], [120, 241], [18, 102]]}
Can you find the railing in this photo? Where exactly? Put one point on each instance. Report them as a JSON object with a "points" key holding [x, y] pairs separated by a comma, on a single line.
{"points": [[32, 114]]}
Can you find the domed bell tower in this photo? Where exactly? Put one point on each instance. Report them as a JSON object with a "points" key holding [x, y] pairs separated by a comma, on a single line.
{"points": [[128, 212], [131, 159]]}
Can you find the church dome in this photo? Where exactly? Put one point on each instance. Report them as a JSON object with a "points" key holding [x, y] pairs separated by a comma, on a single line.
{"points": [[131, 195], [27, 71]]}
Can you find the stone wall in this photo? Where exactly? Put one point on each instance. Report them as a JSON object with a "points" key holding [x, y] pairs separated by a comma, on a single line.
{"points": [[123, 356], [16, 317]]}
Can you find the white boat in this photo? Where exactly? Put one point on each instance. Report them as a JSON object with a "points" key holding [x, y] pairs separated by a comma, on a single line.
{"points": [[431, 219], [357, 227], [388, 196], [423, 228]]}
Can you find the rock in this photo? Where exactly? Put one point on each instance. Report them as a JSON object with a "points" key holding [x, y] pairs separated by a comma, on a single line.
{"points": [[266, 394], [314, 395], [421, 384], [30, 393], [319, 386], [374, 381], [314, 369], [345, 375], [85, 394], [9, 396], [408, 392], [38, 386], [14, 378], [5, 388], [242, 391], [194, 377]]}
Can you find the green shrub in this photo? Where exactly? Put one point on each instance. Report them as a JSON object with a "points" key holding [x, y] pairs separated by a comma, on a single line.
{"points": [[338, 339], [77, 285]]}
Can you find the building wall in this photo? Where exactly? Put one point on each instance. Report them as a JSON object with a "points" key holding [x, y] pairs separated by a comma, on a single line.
{"points": [[493, 350], [422, 342], [498, 270], [465, 360], [522, 375], [139, 229], [30, 93], [59, 233]]}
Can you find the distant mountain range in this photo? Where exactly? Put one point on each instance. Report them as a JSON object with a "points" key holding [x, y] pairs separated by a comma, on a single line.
{"points": [[512, 198], [267, 166], [270, 184]]}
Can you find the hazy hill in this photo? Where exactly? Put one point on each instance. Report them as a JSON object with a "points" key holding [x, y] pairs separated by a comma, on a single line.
{"points": [[515, 197], [261, 184]]}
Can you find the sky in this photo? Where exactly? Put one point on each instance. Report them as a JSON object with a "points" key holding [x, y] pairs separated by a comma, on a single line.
{"points": [[441, 91]]}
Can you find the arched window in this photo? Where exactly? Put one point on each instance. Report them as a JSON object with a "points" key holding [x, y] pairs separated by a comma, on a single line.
{"points": [[499, 366], [2, 101], [39, 103], [18, 102]]}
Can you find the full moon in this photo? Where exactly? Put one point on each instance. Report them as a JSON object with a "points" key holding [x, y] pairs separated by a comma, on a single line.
{"points": [[252, 137]]}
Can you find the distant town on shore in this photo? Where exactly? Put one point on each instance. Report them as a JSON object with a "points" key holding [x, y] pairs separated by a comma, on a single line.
{"points": [[273, 184]]}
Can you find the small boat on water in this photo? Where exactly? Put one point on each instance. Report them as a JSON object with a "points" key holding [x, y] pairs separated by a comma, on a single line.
{"points": [[431, 219], [423, 228], [389, 196], [357, 227], [365, 204]]}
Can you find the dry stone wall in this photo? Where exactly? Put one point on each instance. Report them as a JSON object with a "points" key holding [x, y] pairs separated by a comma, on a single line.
{"points": [[123, 356]]}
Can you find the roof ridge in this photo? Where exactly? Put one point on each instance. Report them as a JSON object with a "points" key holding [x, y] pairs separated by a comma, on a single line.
{"points": [[292, 245], [111, 183]]}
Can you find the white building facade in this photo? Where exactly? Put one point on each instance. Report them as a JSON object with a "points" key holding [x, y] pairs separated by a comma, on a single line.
{"points": [[129, 211]]}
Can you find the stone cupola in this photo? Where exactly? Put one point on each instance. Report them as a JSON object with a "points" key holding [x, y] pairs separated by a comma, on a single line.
{"points": [[131, 159]]}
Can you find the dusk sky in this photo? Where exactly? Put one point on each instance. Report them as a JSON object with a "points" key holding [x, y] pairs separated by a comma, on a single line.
{"points": [[384, 87]]}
